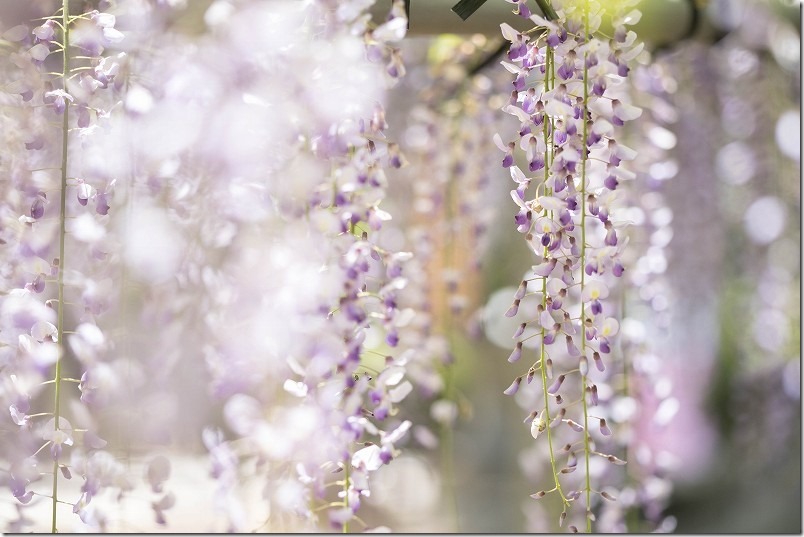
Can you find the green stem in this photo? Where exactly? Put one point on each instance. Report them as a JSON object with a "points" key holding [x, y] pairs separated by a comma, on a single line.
{"points": [[549, 13], [65, 13], [547, 406], [584, 158], [542, 354], [447, 447], [346, 491]]}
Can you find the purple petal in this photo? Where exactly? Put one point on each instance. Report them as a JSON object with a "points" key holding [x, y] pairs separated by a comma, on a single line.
{"points": [[516, 354], [514, 387], [556, 385]]}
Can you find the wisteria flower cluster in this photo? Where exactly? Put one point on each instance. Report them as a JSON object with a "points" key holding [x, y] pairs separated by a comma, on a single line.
{"points": [[58, 257], [299, 384], [563, 98], [307, 383]]}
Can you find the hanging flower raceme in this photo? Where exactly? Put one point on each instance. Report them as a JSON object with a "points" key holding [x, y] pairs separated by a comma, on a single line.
{"points": [[568, 117], [294, 300], [58, 248]]}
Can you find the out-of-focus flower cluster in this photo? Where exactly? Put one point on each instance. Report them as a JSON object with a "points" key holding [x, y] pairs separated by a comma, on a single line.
{"points": [[645, 404], [279, 261], [59, 256], [244, 233]]}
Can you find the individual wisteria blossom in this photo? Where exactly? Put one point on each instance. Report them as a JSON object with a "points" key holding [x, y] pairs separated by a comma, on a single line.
{"points": [[564, 97]]}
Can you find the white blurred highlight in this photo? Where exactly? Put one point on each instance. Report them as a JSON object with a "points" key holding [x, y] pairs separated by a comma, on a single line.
{"points": [[152, 248]]}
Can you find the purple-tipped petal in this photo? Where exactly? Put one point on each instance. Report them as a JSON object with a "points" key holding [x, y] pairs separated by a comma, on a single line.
{"points": [[571, 348], [598, 362], [514, 387], [517, 353], [513, 309], [556, 385], [604, 428], [520, 330], [575, 426]]}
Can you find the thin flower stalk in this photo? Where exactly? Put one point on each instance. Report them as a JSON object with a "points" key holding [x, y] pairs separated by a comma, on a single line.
{"points": [[567, 135], [60, 118], [65, 13]]}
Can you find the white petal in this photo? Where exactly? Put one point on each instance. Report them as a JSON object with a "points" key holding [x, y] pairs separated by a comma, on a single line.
{"points": [[633, 53], [570, 154], [44, 329], [368, 458], [391, 376], [537, 426], [555, 107], [625, 152], [541, 21], [610, 327], [393, 30], [518, 200], [594, 289], [633, 17], [396, 435], [498, 142], [138, 99], [552, 203], [627, 112], [90, 333], [39, 52], [518, 112], [546, 320], [400, 392], [517, 175], [602, 127], [17, 33], [508, 32], [86, 229], [511, 68], [104, 20], [299, 389], [404, 317], [667, 409], [622, 173], [113, 35]]}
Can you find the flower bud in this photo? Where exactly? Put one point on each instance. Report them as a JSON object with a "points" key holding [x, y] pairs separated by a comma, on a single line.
{"points": [[598, 361], [519, 331], [517, 353], [556, 385], [604, 428], [514, 387]]}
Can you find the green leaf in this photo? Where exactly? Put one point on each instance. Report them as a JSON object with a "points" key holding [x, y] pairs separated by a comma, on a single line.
{"points": [[465, 8]]}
